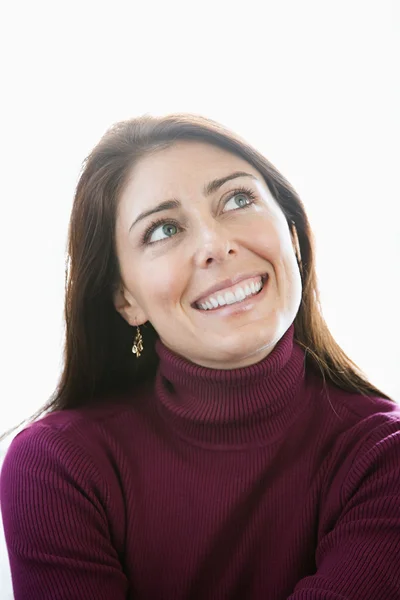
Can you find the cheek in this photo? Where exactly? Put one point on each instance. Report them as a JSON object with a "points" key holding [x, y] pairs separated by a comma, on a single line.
{"points": [[273, 242], [165, 284], [270, 240]]}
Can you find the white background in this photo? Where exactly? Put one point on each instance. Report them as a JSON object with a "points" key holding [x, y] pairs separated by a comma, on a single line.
{"points": [[313, 85]]}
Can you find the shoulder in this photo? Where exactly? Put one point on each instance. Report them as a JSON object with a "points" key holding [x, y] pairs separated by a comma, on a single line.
{"points": [[372, 440], [366, 417], [61, 496], [70, 427], [358, 440], [351, 427], [362, 441], [350, 412], [81, 444]]}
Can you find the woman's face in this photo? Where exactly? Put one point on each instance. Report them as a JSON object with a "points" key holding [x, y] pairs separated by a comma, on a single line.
{"points": [[195, 266]]}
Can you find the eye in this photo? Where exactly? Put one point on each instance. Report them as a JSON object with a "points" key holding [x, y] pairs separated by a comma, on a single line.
{"points": [[239, 199], [160, 230]]}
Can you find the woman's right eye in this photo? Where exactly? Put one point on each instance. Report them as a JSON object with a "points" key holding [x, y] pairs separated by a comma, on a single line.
{"points": [[160, 231]]}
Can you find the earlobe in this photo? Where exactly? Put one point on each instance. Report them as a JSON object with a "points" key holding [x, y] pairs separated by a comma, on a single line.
{"points": [[128, 308]]}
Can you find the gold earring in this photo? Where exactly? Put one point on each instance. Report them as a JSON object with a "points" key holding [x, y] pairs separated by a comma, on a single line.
{"points": [[137, 347]]}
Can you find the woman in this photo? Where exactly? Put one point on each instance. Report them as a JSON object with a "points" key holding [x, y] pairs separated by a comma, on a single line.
{"points": [[237, 453]]}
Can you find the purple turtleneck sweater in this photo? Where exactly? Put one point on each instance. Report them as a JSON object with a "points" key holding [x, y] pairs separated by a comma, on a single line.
{"points": [[256, 483]]}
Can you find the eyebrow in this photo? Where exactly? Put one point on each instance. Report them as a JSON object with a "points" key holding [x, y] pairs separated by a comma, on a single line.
{"points": [[208, 189]]}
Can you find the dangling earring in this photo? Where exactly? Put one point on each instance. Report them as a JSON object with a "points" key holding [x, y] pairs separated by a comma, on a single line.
{"points": [[297, 247], [137, 347]]}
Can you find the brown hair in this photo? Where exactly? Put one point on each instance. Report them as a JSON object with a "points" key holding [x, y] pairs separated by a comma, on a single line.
{"points": [[97, 354]]}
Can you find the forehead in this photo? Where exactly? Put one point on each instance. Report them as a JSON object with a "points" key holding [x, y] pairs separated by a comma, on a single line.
{"points": [[185, 163]]}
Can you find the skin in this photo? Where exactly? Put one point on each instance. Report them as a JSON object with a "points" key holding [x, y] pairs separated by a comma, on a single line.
{"points": [[216, 238]]}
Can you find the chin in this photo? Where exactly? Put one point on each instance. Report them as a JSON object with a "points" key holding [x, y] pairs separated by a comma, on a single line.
{"points": [[235, 355]]}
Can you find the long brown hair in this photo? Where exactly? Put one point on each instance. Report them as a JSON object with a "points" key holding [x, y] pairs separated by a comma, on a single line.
{"points": [[97, 357]]}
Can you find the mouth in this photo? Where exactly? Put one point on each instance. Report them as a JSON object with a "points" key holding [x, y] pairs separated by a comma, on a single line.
{"points": [[240, 293]]}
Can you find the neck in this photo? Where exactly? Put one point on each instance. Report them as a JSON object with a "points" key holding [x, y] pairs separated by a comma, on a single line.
{"points": [[245, 405]]}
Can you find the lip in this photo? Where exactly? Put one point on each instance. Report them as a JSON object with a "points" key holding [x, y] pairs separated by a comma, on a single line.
{"points": [[238, 307], [226, 283]]}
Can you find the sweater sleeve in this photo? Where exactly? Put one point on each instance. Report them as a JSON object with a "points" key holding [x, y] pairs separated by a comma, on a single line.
{"points": [[53, 504], [359, 556]]}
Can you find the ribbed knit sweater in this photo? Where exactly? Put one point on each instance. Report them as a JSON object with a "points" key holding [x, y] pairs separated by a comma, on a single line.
{"points": [[256, 483]]}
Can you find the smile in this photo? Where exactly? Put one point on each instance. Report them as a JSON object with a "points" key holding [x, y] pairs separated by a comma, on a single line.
{"points": [[233, 295]]}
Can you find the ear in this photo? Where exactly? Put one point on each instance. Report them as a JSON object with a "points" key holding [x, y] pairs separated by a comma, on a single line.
{"points": [[128, 307]]}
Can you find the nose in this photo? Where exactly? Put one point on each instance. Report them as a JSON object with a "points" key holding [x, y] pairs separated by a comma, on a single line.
{"points": [[214, 246]]}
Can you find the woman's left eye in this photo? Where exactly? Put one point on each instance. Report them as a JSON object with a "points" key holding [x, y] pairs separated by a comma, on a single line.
{"points": [[239, 200]]}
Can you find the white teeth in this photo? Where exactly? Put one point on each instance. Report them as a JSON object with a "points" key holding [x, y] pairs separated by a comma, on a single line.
{"points": [[240, 295], [214, 302], [230, 298]]}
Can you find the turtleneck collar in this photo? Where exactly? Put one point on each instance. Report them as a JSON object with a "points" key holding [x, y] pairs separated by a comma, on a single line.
{"points": [[247, 406]]}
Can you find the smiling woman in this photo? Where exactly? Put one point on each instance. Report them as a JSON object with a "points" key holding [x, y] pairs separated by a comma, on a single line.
{"points": [[220, 228], [238, 453]]}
